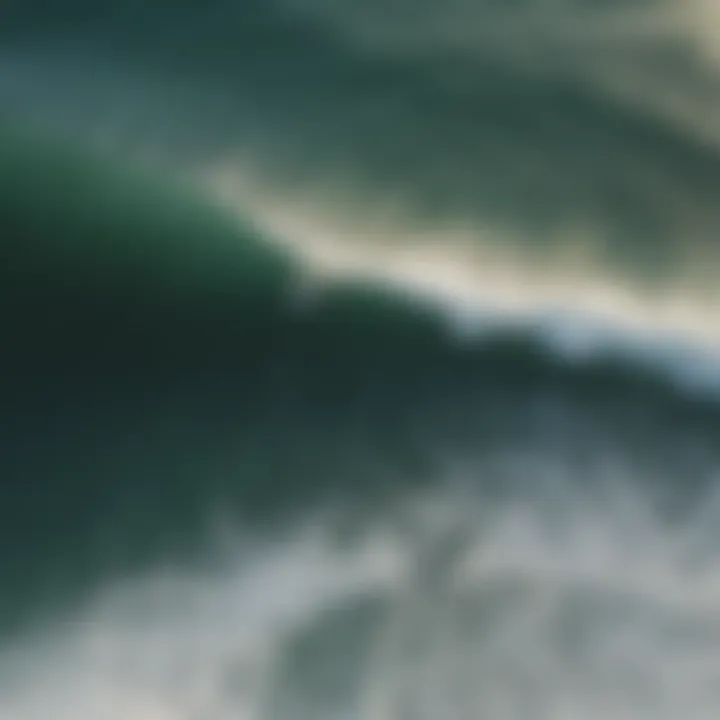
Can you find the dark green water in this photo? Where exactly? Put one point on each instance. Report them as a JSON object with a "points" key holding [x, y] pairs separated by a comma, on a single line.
{"points": [[231, 489]]}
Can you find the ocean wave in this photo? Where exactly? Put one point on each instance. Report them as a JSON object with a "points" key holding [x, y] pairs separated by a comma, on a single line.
{"points": [[162, 384], [358, 361]]}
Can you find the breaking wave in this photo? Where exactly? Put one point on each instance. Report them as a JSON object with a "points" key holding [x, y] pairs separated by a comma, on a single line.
{"points": [[359, 361]]}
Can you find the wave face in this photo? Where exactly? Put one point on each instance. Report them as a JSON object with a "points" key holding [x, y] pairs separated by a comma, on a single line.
{"points": [[358, 360]]}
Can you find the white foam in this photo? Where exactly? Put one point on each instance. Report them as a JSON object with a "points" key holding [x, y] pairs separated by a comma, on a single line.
{"points": [[442, 610], [574, 305]]}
